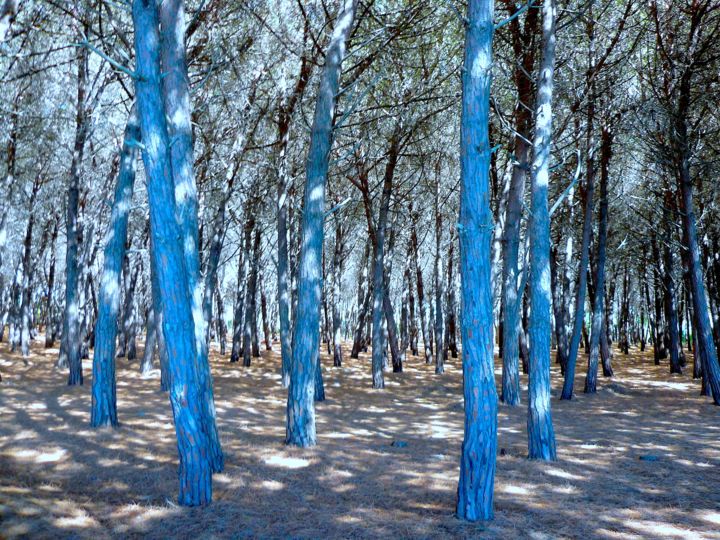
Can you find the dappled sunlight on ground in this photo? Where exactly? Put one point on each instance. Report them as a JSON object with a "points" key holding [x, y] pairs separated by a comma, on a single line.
{"points": [[59, 477]]}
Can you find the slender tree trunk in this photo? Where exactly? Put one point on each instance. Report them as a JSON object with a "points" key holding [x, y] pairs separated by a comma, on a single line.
{"points": [[421, 300], [337, 271], [708, 352], [250, 319], [103, 411], [70, 353], [267, 338], [300, 429], [437, 285], [243, 264], [541, 436], [50, 311], [379, 262]]}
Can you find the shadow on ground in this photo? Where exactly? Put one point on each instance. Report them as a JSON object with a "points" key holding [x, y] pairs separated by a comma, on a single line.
{"points": [[59, 477]]}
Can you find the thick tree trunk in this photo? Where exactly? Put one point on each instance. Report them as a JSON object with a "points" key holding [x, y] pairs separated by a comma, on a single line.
{"points": [[176, 98], [479, 446], [186, 389], [300, 429]]}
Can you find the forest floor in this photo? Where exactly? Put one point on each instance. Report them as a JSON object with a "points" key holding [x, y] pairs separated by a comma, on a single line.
{"points": [[59, 478]]}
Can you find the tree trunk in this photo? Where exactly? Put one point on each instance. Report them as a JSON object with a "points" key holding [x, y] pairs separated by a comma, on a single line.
{"points": [[599, 285], [243, 264], [541, 435], [186, 392], [104, 408], [379, 262], [300, 430], [250, 319], [70, 354], [479, 446], [49, 312]]}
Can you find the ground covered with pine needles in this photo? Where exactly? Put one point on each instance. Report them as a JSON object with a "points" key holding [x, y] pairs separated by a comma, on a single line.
{"points": [[641, 458]]}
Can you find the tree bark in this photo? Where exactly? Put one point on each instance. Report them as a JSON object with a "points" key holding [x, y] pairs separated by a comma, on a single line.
{"points": [[300, 428], [479, 446], [103, 411]]}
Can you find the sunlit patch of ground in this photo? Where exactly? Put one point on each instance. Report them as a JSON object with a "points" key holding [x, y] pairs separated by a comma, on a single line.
{"points": [[59, 477]]}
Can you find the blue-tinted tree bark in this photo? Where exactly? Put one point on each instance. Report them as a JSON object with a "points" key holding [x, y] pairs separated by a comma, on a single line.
{"points": [[70, 348], [541, 436], [243, 264], [300, 429], [250, 319], [186, 397], [176, 99], [477, 460], [104, 408], [50, 289], [437, 284], [284, 184], [599, 285], [523, 42], [703, 327], [25, 315], [579, 321], [378, 310]]}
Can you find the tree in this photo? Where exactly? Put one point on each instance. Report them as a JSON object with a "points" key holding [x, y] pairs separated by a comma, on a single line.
{"points": [[477, 459], [186, 396], [541, 436], [300, 430], [104, 408]]}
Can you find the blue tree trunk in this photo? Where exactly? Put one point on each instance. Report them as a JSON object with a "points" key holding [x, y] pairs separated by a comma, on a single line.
{"points": [[71, 343], [567, 390], [703, 327], [104, 409], [243, 264], [599, 304], [541, 436], [437, 285], [525, 52], [176, 99], [186, 397], [300, 430], [250, 319], [158, 324], [479, 446], [378, 309]]}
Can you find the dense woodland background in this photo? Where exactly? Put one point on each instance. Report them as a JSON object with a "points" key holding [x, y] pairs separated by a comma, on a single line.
{"points": [[364, 175]]}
